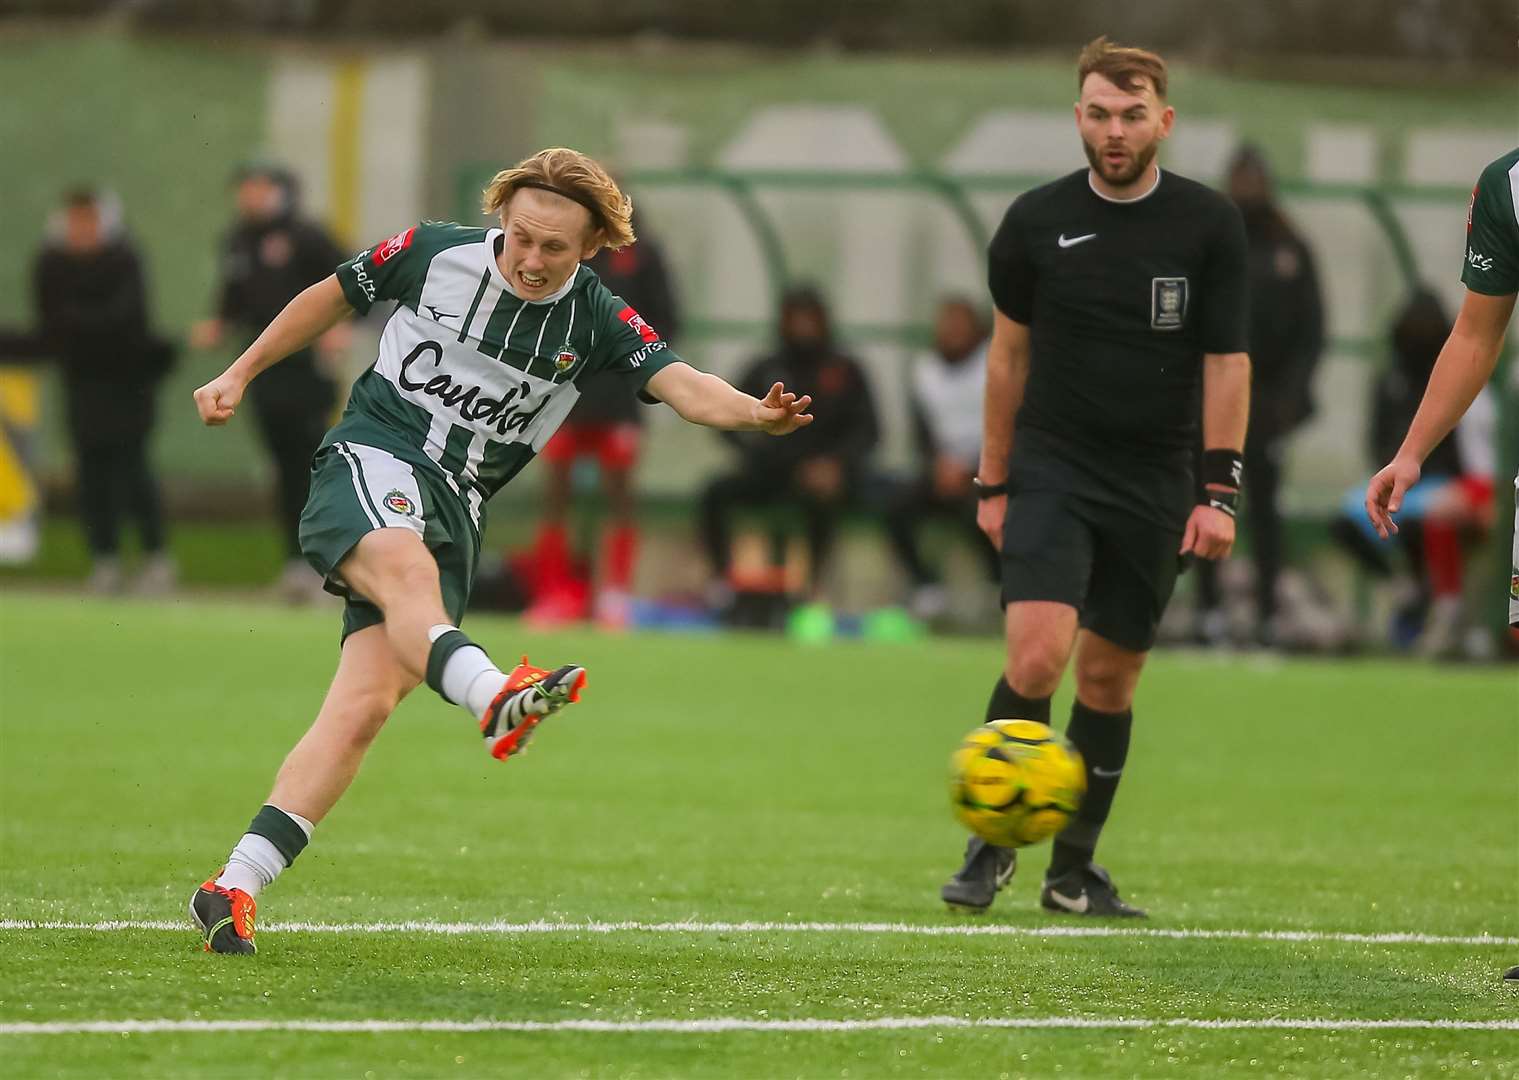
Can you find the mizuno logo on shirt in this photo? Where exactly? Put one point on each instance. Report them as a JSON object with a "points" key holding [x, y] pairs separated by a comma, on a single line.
{"points": [[1073, 241]]}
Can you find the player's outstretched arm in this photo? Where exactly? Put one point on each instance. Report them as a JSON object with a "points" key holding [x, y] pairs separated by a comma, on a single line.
{"points": [[1464, 365], [310, 315], [705, 399]]}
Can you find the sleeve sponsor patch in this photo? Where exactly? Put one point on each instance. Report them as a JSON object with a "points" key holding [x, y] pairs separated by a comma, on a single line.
{"points": [[393, 247], [635, 322]]}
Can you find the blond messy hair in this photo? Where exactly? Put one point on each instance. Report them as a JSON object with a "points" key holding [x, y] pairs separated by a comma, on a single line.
{"points": [[578, 178]]}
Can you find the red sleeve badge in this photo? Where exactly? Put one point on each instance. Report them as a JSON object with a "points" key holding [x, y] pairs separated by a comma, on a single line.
{"points": [[635, 322], [393, 247]]}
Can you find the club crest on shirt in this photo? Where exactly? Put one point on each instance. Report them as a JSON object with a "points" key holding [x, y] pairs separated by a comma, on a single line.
{"points": [[565, 358], [398, 502], [1168, 303]]}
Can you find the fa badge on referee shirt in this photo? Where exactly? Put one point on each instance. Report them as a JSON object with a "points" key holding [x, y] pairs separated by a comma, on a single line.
{"points": [[1168, 303]]}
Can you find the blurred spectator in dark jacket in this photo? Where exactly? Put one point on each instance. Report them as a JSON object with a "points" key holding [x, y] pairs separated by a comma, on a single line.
{"points": [[819, 469], [92, 317], [1286, 342], [606, 427], [269, 255], [946, 390]]}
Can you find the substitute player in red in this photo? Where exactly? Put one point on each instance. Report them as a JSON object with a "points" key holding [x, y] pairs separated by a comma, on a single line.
{"points": [[477, 367], [1120, 296]]}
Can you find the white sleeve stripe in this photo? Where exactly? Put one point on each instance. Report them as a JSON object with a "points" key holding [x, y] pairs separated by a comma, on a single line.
{"points": [[1513, 191], [358, 486]]}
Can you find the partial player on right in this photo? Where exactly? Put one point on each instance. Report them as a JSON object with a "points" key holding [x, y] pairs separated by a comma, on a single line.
{"points": [[1466, 363], [1470, 355]]}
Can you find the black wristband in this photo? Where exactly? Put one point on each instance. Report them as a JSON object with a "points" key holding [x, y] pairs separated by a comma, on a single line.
{"points": [[988, 491], [1226, 468], [1227, 501]]}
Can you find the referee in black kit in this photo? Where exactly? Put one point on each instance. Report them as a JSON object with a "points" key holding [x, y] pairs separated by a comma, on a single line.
{"points": [[1121, 296]]}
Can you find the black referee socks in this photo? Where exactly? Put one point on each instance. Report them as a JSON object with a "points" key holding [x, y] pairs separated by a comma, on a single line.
{"points": [[1008, 704], [1103, 739]]}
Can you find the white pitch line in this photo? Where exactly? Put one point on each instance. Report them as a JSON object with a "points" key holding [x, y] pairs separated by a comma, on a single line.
{"points": [[724, 1024], [694, 927]]}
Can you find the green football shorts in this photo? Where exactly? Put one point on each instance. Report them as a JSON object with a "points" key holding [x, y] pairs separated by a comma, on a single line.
{"points": [[356, 489]]}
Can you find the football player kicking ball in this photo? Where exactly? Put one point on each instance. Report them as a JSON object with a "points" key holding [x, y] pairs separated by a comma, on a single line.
{"points": [[1120, 294], [477, 367], [1469, 357]]}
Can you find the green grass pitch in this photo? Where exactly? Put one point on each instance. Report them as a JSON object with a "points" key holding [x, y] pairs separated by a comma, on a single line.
{"points": [[727, 782]]}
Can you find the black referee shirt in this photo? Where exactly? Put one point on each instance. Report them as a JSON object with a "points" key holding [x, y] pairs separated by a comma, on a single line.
{"points": [[1122, 300]]}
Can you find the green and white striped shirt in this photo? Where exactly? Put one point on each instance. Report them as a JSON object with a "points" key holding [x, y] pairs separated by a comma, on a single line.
{"points": [[471, 380]]}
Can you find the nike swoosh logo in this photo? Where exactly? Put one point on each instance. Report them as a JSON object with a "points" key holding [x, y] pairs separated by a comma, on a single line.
{"points": [[1078, 906], [1106, 773], [1073, 241]]}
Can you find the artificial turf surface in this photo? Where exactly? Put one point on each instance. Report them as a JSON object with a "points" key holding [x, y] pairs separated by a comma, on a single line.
{"points": [[733, 779]]}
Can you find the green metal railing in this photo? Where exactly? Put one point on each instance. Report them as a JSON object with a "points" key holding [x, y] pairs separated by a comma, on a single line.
{"points": [[957, 194]]}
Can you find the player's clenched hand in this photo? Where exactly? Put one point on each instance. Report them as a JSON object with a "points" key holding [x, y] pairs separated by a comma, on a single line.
{"points": [[1384, 495], [218, 399], [990, 513], [1209, 534], [781, 413]]}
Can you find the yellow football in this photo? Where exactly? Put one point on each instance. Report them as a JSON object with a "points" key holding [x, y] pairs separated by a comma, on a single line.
{"points": [[1015, 782]]}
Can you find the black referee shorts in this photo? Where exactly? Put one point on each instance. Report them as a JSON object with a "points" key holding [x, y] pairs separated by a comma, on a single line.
{"points": [[1116, 569]]}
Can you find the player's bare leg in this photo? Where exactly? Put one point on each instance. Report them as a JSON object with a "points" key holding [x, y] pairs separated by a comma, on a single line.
{"points": [[1101, 719], [378, 667], [393, 569], [1040, 637], [369, 684]]}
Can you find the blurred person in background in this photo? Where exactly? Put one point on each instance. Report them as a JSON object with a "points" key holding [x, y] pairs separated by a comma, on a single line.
{"points": [[606, 427], [92, 317], [946, 392], [1286, 342], [1418, 331], [1451, 507], [819, 469], [1460, 517], [268, 256]]}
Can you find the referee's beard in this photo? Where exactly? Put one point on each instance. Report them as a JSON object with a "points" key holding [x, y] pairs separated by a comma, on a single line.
{"points": [[1122, 175]]}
